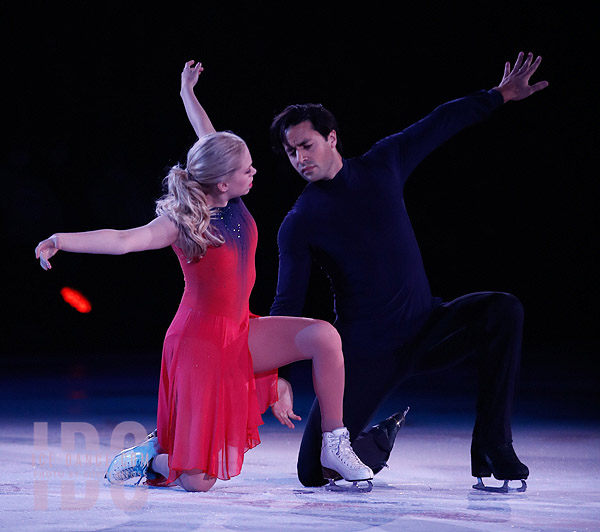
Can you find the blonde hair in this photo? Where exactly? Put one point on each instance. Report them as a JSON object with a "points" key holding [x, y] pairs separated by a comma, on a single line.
{"points": [[211, 160]]}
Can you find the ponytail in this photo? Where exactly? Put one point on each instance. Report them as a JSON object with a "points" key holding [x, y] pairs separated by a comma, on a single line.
{"points": [[212, 159], [185, 204]]}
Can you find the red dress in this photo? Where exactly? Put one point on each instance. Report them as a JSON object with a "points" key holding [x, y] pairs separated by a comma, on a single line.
{"points": [[208, 403]]}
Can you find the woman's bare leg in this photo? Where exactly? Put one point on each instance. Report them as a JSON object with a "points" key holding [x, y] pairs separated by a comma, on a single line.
{"points": [[189, 481], [276, 341]]}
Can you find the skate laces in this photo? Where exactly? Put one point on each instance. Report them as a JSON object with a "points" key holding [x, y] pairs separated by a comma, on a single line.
{"points": [[346, 454], [137, 470], [133, 463]]}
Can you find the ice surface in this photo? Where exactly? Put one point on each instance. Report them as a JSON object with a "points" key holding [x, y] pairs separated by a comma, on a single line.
{"points": [[55, 482]]}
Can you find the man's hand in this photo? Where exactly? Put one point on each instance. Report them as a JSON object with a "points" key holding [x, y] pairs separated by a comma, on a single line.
{"points": [[515, 82], [283, 409]]}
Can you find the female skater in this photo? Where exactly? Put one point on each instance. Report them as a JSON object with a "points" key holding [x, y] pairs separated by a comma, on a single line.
{"points": [[208, 406]]}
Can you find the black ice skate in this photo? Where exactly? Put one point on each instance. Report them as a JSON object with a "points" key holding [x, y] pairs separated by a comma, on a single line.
{"points": [[338, 461], [500, 461], [374, 445]]}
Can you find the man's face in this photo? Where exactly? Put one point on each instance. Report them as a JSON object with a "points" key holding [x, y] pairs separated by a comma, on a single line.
{"points": [[313, 156]]}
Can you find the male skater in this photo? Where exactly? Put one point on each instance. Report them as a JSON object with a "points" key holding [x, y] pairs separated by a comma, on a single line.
{"points": [[352, 221]]}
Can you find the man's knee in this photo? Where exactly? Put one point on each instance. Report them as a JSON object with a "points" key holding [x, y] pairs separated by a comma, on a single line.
{"points": [[309, 469], [507, 307], [310, 475]]}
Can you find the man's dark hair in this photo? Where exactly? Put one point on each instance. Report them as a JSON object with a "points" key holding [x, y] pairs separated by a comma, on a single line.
{"points": [[321, 119]]}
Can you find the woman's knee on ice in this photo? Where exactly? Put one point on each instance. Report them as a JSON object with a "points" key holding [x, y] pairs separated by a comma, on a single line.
{"points": [[196, 482]]}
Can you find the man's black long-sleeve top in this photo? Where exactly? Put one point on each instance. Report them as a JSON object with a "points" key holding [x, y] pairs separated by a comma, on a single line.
{"points": [[357, 229]]}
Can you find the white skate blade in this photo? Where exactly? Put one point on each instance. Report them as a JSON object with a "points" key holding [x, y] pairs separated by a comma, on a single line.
{"points": [[505, 488], [358, 486], [332, 476]]}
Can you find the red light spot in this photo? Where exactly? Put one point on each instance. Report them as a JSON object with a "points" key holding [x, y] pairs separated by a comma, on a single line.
{"points": [[76, 299]]}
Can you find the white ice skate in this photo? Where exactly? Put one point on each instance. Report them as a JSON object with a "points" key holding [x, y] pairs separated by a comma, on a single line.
{"points": [[339, 461], [133, 462]]}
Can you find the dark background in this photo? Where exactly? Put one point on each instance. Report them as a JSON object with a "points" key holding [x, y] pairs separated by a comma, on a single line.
{"points": [[92, 119]]}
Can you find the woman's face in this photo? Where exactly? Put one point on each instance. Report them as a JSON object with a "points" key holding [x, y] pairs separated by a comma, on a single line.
{"points": [[240, 183]]}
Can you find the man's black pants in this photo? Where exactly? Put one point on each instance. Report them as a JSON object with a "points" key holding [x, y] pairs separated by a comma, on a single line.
{"points": [[487, 326]]}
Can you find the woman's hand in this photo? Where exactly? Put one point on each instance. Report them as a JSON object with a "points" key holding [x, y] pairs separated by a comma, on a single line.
{"points": [[45, 250], [190, 74], [195, 112], [283, 409]]}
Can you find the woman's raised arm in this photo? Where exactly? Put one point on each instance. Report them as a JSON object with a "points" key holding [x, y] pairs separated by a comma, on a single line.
{"points": [[195, 112]]}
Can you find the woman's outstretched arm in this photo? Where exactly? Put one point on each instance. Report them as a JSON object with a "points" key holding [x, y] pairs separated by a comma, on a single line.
{"points": [[159, 233]]}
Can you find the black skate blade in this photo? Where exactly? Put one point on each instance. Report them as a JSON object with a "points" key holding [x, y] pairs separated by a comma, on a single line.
{"points": [[356, 486], [395, 422], [402, 419], [505, 488]]}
